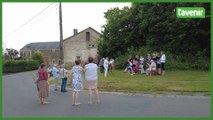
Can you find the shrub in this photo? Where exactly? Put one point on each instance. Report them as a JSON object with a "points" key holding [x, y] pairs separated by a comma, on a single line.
{"points": [[197, 62], [13, 66], [32, 65], [38, 56]]}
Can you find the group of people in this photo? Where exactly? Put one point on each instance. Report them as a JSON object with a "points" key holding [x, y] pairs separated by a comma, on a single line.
{"points": [[106, 65], [155, 63], [76, 73]]}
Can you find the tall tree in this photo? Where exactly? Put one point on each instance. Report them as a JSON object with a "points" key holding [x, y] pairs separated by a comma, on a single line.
{"points": [[156, 27]]}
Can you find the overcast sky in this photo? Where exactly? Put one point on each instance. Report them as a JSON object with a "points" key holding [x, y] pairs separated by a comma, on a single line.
{"points": [[45, 26]]}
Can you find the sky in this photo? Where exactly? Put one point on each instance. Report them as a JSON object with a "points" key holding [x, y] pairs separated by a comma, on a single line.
{"points": [[22, 23]]}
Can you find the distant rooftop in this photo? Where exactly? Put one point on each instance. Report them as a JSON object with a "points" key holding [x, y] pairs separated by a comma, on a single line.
{"points": [[42, 46]]}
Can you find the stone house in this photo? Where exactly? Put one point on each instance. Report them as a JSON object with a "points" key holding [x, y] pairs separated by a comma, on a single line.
{"points": [[50, 50], [81, 45]]}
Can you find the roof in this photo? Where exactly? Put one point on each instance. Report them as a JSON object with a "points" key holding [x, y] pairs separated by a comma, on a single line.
{"points": [[81, 32], [42, 46]]}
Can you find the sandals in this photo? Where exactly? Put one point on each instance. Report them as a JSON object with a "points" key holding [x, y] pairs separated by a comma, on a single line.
{"points": [[44, 102], [90, 103], [99, 102], [76, 104]]}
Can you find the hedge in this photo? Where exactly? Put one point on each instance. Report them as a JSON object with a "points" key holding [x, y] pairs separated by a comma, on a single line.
{"points": [[13, 66]]}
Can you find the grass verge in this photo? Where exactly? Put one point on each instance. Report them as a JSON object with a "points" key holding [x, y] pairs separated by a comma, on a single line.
{"points": [[172, 81]]}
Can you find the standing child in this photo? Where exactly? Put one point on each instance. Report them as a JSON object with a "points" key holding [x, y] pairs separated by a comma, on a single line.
{"points": [[92, 79], [77, 82], [63, 72]]}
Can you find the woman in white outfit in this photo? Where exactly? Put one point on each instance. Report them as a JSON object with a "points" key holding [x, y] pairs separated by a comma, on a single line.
{"points": [[91, 76]]}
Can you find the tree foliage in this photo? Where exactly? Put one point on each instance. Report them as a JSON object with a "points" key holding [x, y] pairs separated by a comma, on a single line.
{"points": [[154, 26], [12, 53], [38, 56]]}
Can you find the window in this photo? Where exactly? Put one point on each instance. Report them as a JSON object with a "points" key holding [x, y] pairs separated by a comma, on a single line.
{"points": [[87, 36], [91, 46], [53, 61], [23, 54], [29, 54], [78, 57]]}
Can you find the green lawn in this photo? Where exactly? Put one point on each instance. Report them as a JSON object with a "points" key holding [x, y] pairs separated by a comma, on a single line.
{"points": [[172, 81]]}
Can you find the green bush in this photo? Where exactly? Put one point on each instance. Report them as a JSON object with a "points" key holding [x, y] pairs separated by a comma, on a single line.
{"points": [[121, 61], [38, 56], [196, 62], [13, 66], [32, 65]]}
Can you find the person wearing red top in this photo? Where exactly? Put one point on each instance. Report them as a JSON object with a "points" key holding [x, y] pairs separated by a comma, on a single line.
{"points": [[42, 84]]}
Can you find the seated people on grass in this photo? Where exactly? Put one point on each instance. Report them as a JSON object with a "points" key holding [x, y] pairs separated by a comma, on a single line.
{"points": [[152, 67], [135, 66], [127, 64], [141, 64]]}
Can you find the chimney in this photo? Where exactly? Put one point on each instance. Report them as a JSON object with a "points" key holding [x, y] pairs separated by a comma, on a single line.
{"points": [[75, 31]]}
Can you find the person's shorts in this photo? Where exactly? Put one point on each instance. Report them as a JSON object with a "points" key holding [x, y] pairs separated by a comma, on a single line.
{"points": [[158, 65]]}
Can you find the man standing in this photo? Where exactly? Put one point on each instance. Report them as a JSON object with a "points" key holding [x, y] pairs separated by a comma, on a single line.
{"points": [[101, 64], [163, 61]]}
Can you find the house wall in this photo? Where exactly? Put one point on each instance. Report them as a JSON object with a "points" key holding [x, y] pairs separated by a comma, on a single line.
{"points": [[26, 54], [79, 46], [53, 55]]}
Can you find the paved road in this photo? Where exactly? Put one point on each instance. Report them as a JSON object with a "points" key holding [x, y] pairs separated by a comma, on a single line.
{"points": [[20, 100]]}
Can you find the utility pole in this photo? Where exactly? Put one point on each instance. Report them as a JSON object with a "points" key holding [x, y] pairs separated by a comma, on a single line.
{"points": [[61, 34]]}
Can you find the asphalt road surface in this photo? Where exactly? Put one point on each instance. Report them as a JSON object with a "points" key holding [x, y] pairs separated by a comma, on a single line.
{"points": [[20, 100]]}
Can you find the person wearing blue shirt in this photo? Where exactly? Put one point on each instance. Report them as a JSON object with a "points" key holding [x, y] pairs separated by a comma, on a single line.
{"points": [[55, 73]]}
